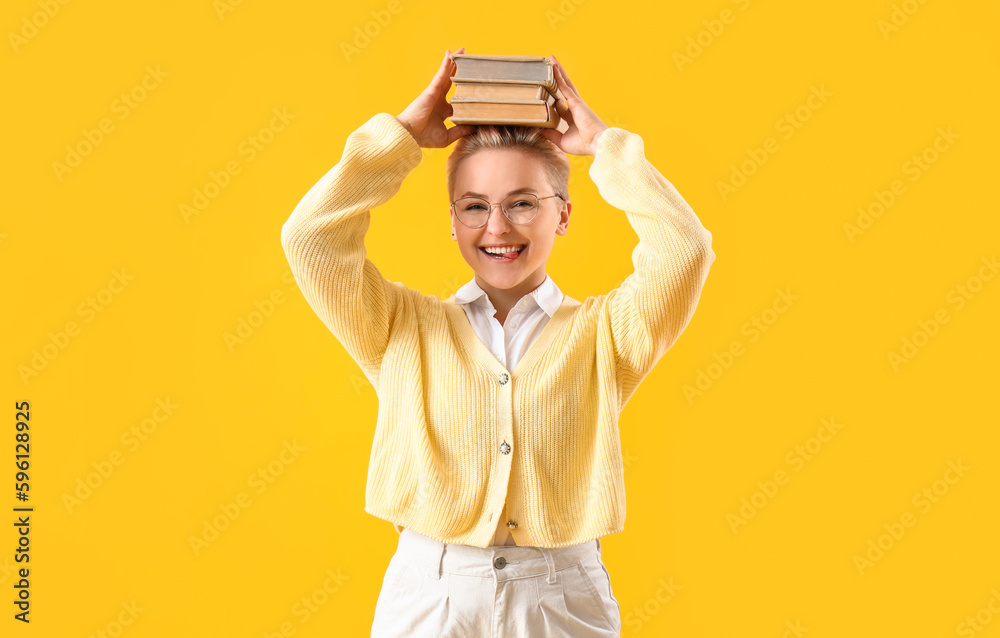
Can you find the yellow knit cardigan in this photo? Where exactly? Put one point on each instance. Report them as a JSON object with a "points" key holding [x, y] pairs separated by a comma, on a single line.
{"points": [[457, 434]]}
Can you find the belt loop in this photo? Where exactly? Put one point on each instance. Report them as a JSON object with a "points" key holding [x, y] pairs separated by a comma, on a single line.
{"points": [[552, 564], [438, 560], [434, 556]]}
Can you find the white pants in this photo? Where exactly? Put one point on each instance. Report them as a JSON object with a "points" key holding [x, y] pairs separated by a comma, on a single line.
{"points": [[437, 590]]}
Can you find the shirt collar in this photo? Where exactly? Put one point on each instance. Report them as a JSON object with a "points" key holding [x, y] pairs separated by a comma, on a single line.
{"points": [[547, 296]]}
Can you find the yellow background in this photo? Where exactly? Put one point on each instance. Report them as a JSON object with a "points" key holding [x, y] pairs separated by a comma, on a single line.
{"points": [[679, 568]]}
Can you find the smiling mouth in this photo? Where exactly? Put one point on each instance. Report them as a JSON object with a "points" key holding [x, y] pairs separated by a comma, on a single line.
{"points": [[507, 256]]}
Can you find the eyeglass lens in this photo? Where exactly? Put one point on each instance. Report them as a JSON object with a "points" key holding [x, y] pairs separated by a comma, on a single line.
{"points": [[519, 208]]}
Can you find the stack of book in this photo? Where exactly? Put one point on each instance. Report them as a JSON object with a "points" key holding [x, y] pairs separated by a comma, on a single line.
{"points": [[505, 89]]}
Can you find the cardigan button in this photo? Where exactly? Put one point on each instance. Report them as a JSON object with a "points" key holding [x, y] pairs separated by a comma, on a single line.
{"points": [[511, 524], [505, 448], [500, 562], [504, 378]]}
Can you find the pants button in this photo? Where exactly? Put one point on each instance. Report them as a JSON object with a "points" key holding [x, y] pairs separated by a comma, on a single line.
{"points": [[500, 562]]}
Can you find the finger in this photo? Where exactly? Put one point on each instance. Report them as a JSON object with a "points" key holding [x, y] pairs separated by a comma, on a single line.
{"points": [[456, 132], [441, 105], [565, 78], [561, 84], [448, 69], [442, 108], [555, 74], [567, 92], [553, 136], [452, 64], [562, 107], [570, 87], [443, 76]]}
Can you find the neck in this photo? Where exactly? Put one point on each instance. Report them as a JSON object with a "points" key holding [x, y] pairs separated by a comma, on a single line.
{"points": [[503, 299]]}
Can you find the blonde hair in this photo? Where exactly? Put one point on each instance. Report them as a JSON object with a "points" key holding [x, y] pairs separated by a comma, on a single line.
{"points": [[524, 138]]}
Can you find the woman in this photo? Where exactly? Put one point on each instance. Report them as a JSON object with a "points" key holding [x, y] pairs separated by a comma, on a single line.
{"points": [[496, 452]]}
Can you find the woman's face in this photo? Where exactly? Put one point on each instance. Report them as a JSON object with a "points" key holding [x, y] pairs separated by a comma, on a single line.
{"points": [[492, 175]]}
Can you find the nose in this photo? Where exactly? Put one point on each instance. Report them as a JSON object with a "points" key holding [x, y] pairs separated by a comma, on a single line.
{"points": [[497, 223]]}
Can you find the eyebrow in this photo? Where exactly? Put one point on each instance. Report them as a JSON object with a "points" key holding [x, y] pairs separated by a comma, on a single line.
{"points": [[523, 189]]}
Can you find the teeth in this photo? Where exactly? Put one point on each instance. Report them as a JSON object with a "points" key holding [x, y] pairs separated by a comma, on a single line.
{"points": [[500, 251]]}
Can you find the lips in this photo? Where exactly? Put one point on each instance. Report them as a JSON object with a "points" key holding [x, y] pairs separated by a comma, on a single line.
{"points": [[513, 244], [508, 256]]}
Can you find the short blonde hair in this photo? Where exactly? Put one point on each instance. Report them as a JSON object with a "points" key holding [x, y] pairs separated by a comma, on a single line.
{"points": [[524, 138]]}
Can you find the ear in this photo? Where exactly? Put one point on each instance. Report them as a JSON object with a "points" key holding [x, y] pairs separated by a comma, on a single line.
{"points": [[563, 225], [454, 237]]}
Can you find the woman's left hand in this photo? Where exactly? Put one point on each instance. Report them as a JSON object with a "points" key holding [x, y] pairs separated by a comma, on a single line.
{"points": [[585, 127]]}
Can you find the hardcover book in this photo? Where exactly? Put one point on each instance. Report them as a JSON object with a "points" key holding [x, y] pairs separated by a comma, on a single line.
{"points": [[505, 89]]}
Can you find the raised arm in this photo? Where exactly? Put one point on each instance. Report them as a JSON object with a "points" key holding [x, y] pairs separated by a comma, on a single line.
{"points": [[323, 238], [655, 303]]}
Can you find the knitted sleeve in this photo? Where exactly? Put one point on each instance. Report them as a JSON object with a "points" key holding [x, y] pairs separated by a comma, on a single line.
{"points": [[654, 304], [323, 238]]}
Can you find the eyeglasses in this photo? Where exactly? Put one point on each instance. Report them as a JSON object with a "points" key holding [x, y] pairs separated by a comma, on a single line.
{"points": [[519, 208]]}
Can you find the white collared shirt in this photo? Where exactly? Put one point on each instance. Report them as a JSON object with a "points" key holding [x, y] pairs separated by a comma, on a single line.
{"points": [[523, 324], [509, 342]]}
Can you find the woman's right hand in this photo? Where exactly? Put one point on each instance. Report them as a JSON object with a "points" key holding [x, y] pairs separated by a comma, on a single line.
{"points": [[424, 117]]}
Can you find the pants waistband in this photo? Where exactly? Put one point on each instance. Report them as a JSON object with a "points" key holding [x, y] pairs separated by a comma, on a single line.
{"points": [[505, 562]]}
